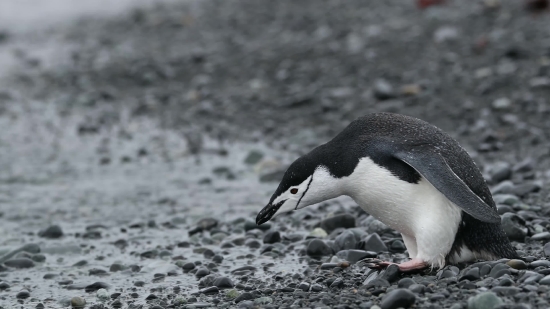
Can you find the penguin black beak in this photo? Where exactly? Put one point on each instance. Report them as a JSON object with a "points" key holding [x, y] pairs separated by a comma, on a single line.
{"points": [[268, 212]]}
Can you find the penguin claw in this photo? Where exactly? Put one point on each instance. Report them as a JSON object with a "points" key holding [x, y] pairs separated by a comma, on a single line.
{"points": [[376, 263]]}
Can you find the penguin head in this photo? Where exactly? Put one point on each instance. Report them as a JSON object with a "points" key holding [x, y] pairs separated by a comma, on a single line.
{"points": [[306, 182]]}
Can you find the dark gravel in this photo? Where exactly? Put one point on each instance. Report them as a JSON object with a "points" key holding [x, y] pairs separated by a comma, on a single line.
{"points": [[137, 150]]}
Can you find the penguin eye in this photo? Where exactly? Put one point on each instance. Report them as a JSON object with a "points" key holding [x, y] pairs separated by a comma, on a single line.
{"points": [[293, 190]]}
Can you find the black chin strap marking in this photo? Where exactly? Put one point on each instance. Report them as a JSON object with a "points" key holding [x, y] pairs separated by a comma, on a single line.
{"points": [[303, 194]]}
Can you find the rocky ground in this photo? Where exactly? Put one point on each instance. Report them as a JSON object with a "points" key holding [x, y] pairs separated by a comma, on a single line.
{"points": [[137, 149]]}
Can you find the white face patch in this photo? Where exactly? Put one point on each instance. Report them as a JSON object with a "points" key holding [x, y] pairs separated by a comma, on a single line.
{"points": [[317, 188], [292, 197]]}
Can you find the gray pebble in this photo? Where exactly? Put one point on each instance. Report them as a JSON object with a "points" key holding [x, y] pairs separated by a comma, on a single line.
{"points": [[374, 243], [52, 232], [514, 226], [78, 302], [23, 294], [223, 283], [342, 220], [485, 300], [19, 263], [317, 248], [398, 298]]}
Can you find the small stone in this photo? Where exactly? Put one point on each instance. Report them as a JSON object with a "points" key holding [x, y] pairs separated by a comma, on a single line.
{"points": [[316, 287], [223, 283], [502, 103], [253, 157], [397, 246], [517, 264], [500, 171], [472, 274], [210, 290], [317, 248], [417, 288], [204, 224], [445, 33], [405, 283], [4, 285], [374, 243], [102, 294], [484, 300], [117, 267], [52, 232], [23, 294], [244, 296], [263, 301], [19, 263], [304, 286], [78, 302], [499, 270], [546, 249], [383, 90], [346, 240], [343, 220], [354, 256], [398, 298], [231, 294], [201, 272], [545, 280], [251, 225], [96, 286], [39, 258], [217, 259], [272, 237], [514, 226], [317, 233]]}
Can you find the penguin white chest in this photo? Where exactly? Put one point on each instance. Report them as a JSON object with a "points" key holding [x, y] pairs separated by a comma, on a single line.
{"points": [[417, 210]]}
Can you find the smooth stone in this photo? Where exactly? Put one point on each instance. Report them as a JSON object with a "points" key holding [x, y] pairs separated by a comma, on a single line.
{"points": [[514, 226], [383, 90], [251, 225], [204, 224], [485, 270], [484, 300], [546, 249], [374, 243], [223, 283], [102, 294], [545, 280], [263, 301], [210, 290], [51, 232], [253, 157], [397, 246], [346, 240], [39, 258], [96, 286], [317, 248], [272, 237], [405, 283], [506, 199], [539, 263], [317, 233], [202, 272], [541, 236], [391, 273], [4, 285], [342, 220], [472, 274], [517, 264], [244, 296], [398, 298], [499, 270], [23, 294], [506, 290], [417, 288], [316, 287], [19, 263], [78, 302], [354, 256], [500, 171], [304, 286], [526, 188], [29, 248]]}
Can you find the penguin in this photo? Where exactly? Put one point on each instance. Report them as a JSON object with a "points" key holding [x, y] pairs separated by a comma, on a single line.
{"points": [[411, 176]]}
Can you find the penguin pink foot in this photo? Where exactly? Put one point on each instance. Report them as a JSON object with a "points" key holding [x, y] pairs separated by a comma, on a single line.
{"points": [[409, 266]]}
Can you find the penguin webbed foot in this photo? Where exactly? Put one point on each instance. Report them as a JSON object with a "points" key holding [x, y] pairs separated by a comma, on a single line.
{"points": [[405, 267]]}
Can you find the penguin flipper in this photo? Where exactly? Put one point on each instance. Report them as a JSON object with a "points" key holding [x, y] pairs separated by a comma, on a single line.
{"points": [[432, 166]]}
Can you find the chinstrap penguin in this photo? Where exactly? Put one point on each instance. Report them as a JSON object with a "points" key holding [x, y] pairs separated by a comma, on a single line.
{"points": [[411, 176]]}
